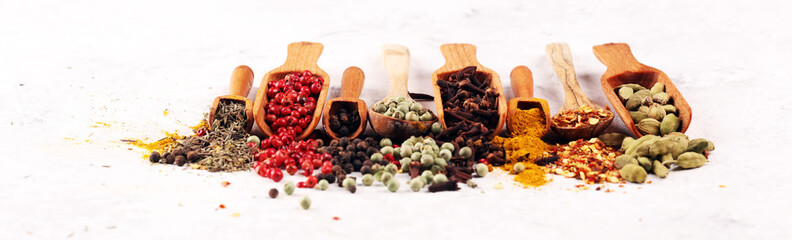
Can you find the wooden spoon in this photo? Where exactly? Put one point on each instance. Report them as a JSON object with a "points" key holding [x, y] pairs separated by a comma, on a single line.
{"points": [[561, 58], [397, 65], [522, 85], [623, 68], [351, 86], [241, 81], [459, 56], [301, 56]]}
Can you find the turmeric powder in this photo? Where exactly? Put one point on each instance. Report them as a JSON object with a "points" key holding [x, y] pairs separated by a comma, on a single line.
{"points": [[532, 176], [525, 145], [528, 122]]}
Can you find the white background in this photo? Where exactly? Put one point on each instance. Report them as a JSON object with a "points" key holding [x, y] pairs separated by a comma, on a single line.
{"points": [[65, 65]]}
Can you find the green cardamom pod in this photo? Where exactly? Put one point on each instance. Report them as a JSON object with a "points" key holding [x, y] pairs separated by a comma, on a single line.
{"points": [[644, 109], [632, 149], [623, 160], [691, 160], [646, 163], [661, 147], [633, 173], [669, 108], [612, 139], [649, 126], [697, 146], [626, 142], [670, 124], [634, 101], [634, 86], [661, 97], [625, 93], [680, 145], [643, 148], [647, 101], [657, 88], [638, 116], [667, 159], [659, 169], [709, 146], [657, 112]]}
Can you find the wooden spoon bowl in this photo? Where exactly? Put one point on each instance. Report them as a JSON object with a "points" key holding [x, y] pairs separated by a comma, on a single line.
{"points": [[351, 86], [459, 56], [561, 59], [241, 82], [301, 56], [624, 68], [397, 65], [522, 86]]}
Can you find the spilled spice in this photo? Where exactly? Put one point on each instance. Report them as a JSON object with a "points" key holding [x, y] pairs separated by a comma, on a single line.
{"points": [[532, 176], [526, 146], [590, 161]]}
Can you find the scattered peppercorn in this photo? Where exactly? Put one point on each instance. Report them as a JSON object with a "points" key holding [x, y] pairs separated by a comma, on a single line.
{"points": [[305, 203], [273, 193], [154, 157], [288, 188]]}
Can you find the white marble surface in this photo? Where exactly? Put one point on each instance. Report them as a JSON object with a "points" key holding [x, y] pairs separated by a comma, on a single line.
{"points": [[65, 65]]}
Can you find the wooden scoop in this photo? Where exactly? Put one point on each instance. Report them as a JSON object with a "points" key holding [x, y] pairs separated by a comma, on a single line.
{"points": [[241, 81], [301, 56], [459, 56], [397, 65], [622, 69], [561, 58], [351, 86], [522, 85]]}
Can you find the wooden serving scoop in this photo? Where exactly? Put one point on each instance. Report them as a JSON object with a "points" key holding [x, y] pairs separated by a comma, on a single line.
{"points": [[459, 56], [301, 56], [241, 81], [351, 86], [523, 88], [397, 65], [622, 69], [561, 59]]}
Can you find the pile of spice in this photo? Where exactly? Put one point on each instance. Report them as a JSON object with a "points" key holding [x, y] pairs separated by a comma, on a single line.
{"points": [[525, 146], [652, 110], [223, 147], [345, 121], [291, 101], [654, 154], [470, 107], [404, 109], [584, 115], [590, 161]]}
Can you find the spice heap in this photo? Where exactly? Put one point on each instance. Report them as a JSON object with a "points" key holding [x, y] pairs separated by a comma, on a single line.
{"points": [[291, 101], [654, 154], [584, 115], [526, 145], [404, 109], [350, 155], [345, 120], [470, 107], [528, 174], [590, 161], [223, 147], [652, 110]]}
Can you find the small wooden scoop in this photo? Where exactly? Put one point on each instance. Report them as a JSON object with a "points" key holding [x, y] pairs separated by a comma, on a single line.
{"points": [[561, 58], [301, 56], [351, 86], [459, 56], [241, 81], [397, 65], [522, 86], [622, 69]]}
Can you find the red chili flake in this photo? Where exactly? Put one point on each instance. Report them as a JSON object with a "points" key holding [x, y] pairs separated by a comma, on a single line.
{"points": [[225, 183], [222, 206], [336, 218], [590, 161]]}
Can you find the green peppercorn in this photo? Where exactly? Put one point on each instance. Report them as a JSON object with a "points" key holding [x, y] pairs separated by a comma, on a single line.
{"points": [[437, 169], [254, 139], [288, 188], [437, 128], [445, 154], [427, 161], [391, 168], [427, 116], [323, 184], [518, 168], [376, 157], [428, 175], [386, 142], [439, 178], [386, 150], [465, 152], [368, 179], [386, 176], [378, 176], [405, 164], [482, 170], [393, 186], [348, 182], [416, 156], [416, 184], [440, 162], [305, 203]]}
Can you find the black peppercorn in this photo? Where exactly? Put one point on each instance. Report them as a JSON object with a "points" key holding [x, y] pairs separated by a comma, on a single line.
{"points": [[180, 160], [365, 170], [192, 156], [170, 159], [154, 157], [352, 188], [273, 193]]}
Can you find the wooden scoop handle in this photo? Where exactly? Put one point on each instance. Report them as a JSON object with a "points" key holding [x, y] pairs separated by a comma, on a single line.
{"points": [[459, 55], [617, 57], [561, 59], [241, 81], [302, 53], [522, 82], [397, 66], [352, 82]]}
